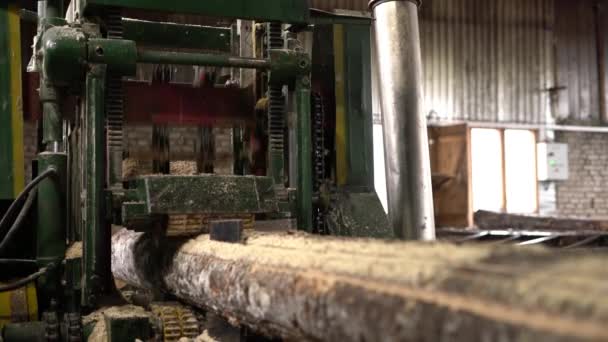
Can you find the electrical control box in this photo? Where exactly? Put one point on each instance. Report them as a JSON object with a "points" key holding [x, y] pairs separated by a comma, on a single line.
{"points": [[552, 161]]}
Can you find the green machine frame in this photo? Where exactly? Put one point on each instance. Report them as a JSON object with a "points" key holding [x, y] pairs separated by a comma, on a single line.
{"points": [[285, 11], [70, 52], [11, 131], [74, 58], [78, 197], [355, 208]]}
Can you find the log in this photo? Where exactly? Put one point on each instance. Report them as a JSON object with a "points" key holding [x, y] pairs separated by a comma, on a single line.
{"points": [[303, 287], [492, 220]]}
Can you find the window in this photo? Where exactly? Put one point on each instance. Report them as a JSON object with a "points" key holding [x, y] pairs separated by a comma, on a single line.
{"points": [[520, 171], [486, 159], [504, 170]]}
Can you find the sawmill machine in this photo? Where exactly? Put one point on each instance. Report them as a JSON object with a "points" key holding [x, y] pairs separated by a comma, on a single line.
{"points": [[78, 187], [317, 158]]}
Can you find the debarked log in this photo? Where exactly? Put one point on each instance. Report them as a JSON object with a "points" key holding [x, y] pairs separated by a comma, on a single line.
{"points": [[318, 288]]}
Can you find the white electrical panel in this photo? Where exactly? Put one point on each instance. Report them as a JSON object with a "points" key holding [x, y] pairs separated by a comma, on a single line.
{"points": [[552, 161]]}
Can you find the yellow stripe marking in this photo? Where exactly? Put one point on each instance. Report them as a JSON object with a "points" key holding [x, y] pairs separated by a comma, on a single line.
{"points": [[5, 308], [16, 98], [32, 302]]}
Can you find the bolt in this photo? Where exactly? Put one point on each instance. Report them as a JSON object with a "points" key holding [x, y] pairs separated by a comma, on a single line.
{"points": [[95, 280], [305, 80]]}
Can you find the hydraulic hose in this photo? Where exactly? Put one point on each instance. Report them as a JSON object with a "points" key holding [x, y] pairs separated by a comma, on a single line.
{"points": [[24, 281], [32, 185], [18, 222]]}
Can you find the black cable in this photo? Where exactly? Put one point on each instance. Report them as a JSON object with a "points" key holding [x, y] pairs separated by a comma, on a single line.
{"points": [[18, 222], [24, 281], [23, 193]]}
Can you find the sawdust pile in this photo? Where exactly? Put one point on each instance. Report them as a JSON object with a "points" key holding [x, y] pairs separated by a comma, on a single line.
{"points": [[131, 168], [100, 332]]}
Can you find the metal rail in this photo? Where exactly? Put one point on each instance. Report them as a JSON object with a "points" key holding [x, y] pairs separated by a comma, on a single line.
{"points": [[184, 58], [562, 239]]}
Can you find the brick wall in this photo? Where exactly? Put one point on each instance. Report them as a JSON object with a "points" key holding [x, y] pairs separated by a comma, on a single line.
{"points": [[137, 138], [585, 193], [138, 141], [30, 143], [183, 143], [224, 160]]}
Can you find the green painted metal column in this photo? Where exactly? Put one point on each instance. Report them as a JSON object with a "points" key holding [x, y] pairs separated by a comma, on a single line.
{"points": [[51, 222], [96, 235], [12, 168], [359, 117], [354, 125], [304, 183], [52, 119]]}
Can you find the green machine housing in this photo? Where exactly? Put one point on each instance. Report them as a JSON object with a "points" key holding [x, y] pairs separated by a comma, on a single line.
{"points": [[79, 190]]}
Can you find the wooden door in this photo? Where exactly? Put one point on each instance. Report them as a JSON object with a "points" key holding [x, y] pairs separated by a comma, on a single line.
{"points": [[450, 165]]}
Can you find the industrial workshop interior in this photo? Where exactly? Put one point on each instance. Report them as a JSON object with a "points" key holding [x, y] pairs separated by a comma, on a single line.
{"points": [[303, 170]]}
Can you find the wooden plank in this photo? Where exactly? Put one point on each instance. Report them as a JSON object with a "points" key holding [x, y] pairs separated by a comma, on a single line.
{"points": [[469, 178], [303, 287], [503, 165]]}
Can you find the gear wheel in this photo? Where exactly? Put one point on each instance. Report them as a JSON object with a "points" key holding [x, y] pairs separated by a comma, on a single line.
{"points": [[177, 321]]}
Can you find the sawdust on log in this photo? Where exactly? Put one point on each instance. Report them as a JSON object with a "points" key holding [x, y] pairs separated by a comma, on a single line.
{"points": [[130, 169], [183, 168], [74, 251]]}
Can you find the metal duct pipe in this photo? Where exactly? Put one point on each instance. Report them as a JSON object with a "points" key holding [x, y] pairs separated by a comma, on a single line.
{"points": [[408, 172]]}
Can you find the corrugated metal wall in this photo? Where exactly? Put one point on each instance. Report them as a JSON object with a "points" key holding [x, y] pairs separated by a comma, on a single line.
{"points": [[487, 60], [578, 97], [495, 60]]}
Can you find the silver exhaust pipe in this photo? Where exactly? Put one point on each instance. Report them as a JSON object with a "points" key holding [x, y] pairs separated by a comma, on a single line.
{"points": [[408, 170]]}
